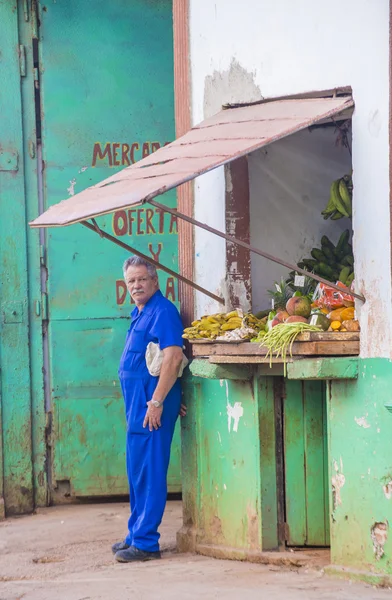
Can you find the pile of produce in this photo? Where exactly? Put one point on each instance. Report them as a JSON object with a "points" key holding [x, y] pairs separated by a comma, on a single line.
{"points": [[233, 325], [340, 199], [281, 338], [333, 263], [331, 311], [284, 291], [343, 319], [302, 315]]}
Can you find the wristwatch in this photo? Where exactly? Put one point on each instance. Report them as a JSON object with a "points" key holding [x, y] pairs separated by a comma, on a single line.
{"points": [[156, 403]]}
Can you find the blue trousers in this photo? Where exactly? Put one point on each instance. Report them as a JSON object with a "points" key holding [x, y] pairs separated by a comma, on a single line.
{"points": [[147, 458]]}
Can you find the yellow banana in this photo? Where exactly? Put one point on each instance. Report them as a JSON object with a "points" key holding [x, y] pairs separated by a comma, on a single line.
{"points": [[229, 326], [335, 196], [345, 196], [231, 314]]}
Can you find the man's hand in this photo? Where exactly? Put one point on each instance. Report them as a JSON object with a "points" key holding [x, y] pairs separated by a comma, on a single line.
{"points": [[153, 417], [183, 410]]}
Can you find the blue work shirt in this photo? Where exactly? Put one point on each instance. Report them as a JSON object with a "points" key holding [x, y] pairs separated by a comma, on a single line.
{"points": [[159, 321]]}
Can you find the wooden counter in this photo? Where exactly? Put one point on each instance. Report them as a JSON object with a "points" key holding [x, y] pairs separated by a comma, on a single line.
{"points": [[308, 344]]}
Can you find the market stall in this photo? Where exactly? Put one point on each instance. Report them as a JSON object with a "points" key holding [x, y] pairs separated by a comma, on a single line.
{"points": [[268, 361], [255, 494]]}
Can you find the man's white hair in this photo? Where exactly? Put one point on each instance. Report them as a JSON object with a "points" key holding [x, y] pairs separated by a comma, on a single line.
{"points": [[136, 261]]}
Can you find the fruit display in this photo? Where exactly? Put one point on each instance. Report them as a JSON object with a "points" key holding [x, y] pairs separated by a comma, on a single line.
{"points": [[284, 290], [299, 304], [340, 199], [281, 338], [299, 309], [333, 263], [234, 325]]}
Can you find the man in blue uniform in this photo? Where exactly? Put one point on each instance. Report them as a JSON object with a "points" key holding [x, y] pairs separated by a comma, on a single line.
{"points": [[152, 405]]}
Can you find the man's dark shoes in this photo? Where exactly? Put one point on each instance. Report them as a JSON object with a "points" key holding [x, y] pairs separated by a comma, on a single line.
{"points": [[119, 546], [133, 554]]}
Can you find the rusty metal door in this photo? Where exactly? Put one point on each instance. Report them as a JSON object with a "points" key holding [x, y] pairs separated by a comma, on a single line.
{"points": [[106, 100], [305, 464]]}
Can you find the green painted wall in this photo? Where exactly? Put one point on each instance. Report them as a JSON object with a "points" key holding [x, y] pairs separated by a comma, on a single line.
{"points": [[360, 457], [105, 73], [107, 100], [230, 448]]}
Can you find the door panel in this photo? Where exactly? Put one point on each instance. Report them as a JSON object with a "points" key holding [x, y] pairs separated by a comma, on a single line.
{"points": [[107, 100], [16, 468], [306, 486]]}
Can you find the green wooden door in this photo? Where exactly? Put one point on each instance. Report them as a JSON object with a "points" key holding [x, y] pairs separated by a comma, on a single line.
{"points": [[16, 467], [305, 458], [106, 71]]}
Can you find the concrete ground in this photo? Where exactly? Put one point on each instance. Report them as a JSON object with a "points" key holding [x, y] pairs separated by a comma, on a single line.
{"points": [[63, 553]]}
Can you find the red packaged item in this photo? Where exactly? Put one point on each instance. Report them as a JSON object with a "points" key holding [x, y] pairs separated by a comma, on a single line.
{"points": [[329, 298]]}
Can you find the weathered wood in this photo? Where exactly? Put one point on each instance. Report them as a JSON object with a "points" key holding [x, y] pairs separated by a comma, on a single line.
{"points": [[323, 368], [299, 349], [205, 369], [245, 360], [329, 336], [234, 349]]}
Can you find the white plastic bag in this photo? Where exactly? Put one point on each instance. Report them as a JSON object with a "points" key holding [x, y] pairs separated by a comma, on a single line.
{"points": [[154, 358]]}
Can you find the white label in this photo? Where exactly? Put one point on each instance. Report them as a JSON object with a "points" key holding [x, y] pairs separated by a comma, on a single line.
{"points": [[273, 304], [299, 280]]}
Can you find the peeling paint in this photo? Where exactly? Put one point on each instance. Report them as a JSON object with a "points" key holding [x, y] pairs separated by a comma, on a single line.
{"points": [[379, 535], [234, 413], [338, 480], [71, 188], [362, 422], [236, 85], [388, 490]]}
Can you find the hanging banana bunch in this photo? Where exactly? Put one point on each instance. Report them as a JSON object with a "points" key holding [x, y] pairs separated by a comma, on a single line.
{"points": [[340, 199]]}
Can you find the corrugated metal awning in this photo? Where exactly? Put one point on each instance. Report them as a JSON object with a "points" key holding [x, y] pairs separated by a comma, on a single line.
{"points": [[216, 141]]}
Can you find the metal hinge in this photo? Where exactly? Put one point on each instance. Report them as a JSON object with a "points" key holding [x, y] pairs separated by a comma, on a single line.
{"points": [[42, 255], [22, 60], [45, 306]]}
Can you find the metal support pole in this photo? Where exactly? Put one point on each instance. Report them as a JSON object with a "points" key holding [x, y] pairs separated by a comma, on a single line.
{"points": [[274, 259], [151, 261]]}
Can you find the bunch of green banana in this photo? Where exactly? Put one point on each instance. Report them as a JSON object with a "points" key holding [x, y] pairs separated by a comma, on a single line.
{"points": [[334, 263], [212, 326], [340, 199]]}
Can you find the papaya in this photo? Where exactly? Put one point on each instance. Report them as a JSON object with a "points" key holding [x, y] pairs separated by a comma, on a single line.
{"points": [[347, 314], [335, 315]]}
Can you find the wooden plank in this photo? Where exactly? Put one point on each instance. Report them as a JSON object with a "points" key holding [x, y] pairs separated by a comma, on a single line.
{"points": [[206, 370], [339, 367], [327, 498], [327, 348], [245, 360], [294, 450], [265, 401], [247, 349], [307, 336], [313, 399], [299, 349], [329, 336]]}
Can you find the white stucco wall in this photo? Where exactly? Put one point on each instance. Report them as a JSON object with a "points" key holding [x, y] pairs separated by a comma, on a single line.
{"points": [[256, 48]]}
